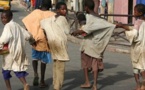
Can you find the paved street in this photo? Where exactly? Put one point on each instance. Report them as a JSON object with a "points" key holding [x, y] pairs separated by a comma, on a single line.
{"points": [[116, 76]]}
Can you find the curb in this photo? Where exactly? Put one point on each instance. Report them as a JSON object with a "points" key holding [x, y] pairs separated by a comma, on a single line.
{"points": [[117, 49]]}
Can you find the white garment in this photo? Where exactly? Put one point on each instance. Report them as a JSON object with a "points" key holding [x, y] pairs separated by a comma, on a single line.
{"points": [[137, 40], [99, 32], [56, 30], [15, 36]]}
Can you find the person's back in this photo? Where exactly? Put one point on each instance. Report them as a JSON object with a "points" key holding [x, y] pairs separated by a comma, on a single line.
{"points": [[98, 32], [41, 51], [32, 23], [14, 35], [56, 29]]}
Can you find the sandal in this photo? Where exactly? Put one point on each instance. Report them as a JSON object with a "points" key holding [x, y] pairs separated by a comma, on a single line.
{"points": [[43, 85], [36, 81]]}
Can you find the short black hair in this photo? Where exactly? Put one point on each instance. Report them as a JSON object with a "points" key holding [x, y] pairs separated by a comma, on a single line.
{"points": [[90, 4], [59, 4], [8, 13], [140, 8], [46, 4], [81, 17]]}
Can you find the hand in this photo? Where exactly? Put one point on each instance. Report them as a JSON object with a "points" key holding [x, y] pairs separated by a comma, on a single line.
{"points": [[34, 44], [119, 25], [75, 33]]}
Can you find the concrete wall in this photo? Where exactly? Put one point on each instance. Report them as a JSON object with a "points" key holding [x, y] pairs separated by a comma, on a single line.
{"points": [[121, 7]]}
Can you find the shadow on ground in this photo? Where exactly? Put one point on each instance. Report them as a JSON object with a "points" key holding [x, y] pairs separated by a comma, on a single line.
{"points": [[74, 79], [11, 10]]}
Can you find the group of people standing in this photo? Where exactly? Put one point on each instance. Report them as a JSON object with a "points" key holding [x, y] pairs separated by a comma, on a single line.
{"points": [[47, 32], [32, 4]]}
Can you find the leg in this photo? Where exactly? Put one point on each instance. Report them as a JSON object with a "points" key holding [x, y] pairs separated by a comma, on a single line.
{"points": [[21, 76], [136, 75], [143, 82], [8, 85], [97, 66], [85, 65], [54, 72], [137, 81], [43, 68], [23, 80], [87, 82], [95, 79], [7, 76], [35, 68], [59, 74]]}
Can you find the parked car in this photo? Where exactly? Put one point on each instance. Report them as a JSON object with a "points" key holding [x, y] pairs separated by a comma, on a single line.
{"points": [[5, 4]]}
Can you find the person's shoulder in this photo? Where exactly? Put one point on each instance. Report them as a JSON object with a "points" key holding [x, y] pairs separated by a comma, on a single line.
{"points": [[11, 23], [62, 18], [50, 13], [46, 20]]}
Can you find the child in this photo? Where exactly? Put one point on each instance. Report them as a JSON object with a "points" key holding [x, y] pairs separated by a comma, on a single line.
{"points": [[136, 37], [56, 29], [40, 52], [82, 21], [28, 5], [98, 32], [14, 35]]}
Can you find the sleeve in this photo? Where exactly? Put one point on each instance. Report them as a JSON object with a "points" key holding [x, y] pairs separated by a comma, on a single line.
{"points": [[96, 23], [66, 26], [6, 35], [131, 35], [30, 20], [28, 37]]}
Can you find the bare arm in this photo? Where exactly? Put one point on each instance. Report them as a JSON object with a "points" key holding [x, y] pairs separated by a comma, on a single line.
{"points": [[119, 25]]}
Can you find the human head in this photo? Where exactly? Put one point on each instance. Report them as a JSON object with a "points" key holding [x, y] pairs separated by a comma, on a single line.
{"points": [[89, 5], [46, 4], [61, 8], [6, 16], [81, 18], [139, 10]]}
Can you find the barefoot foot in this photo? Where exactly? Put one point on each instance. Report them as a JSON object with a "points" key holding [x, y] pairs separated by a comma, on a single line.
{"points": [[86, 85], [94, 87], [143, 85]]}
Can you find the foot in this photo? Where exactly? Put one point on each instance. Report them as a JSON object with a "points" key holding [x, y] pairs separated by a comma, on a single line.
{"points": [[36, 81], [26, 87], [86, 85], [94, 87], [138, 87], [143, 85], [43, 85]]}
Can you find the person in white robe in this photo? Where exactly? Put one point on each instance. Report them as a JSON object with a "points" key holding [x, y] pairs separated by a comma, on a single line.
{"points": [[15, 36], [56, 29], [136, 37], [98, 33]]}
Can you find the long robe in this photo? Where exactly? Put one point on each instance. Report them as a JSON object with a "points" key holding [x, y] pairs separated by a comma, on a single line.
{"points": [[99, 32], [136, 36], [15, 36], [56, 30]]}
